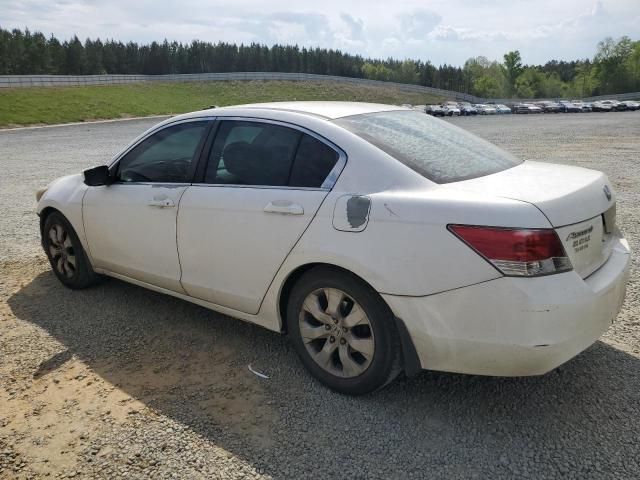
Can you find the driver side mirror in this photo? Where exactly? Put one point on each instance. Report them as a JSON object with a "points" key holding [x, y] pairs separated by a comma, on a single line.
{"points": [[97, 176]]}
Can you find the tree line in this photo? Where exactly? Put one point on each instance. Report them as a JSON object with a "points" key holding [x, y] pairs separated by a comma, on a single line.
{"points": [[615, 68]]}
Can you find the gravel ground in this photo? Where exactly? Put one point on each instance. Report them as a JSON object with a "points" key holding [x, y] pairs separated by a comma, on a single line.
{"points": [[117, 381]]}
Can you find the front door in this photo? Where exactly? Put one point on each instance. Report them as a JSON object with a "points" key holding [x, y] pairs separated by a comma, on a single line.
{"points": [[131, 224]]}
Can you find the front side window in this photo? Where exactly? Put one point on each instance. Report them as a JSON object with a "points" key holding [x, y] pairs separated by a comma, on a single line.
{"points": [[166, 156], [266, 154], [433, 148]]}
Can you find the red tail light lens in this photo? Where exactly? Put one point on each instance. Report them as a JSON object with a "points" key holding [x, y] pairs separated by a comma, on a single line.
{"points": [[516, 252]]}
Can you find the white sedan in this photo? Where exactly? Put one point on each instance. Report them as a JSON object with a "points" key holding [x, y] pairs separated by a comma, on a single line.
{"points": [[486, 109], [378, 238]]}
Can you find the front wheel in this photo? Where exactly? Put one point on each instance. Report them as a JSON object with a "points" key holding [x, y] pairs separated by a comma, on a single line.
{"points": [[65, 253], [343, 332]]}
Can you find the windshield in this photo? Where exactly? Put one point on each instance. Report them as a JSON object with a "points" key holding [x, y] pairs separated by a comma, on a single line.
{"points": [[434, 148]]}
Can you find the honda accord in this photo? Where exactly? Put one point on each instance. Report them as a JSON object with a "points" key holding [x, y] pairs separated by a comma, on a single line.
{"points": [[378, 238]]}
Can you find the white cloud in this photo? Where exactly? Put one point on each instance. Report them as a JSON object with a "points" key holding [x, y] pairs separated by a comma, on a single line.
{"points": [[442, 31]]}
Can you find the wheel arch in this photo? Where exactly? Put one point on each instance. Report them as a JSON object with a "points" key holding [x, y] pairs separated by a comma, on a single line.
{"points": [[293, 278], [45, 213], [75, 220], [410, 357]]}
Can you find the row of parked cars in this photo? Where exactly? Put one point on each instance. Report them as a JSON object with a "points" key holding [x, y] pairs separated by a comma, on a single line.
{"points": [[450, 109]]}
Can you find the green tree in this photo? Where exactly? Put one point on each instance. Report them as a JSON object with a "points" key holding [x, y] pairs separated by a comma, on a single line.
{"points": [[615, 67], [406, 73], [632, 65], [75, 61], [585, 81], [5, 47], [529, 84], [57, 56], [512, 69], [485, 78], [487, 86], [551, 86], [611, 65], [94, 51], [376, 71]]}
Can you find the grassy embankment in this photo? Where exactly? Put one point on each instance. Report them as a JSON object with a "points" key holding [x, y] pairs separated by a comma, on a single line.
{"points": [[50, 105]]}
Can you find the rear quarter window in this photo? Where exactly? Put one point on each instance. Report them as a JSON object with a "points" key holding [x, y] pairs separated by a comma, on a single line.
{"points": [[433, 148], [313, 163]]}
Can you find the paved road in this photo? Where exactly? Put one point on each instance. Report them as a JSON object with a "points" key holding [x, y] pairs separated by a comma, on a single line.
{"points": [[119, 380]]}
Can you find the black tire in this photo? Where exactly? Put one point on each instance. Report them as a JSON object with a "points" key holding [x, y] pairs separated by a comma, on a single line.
{"points": [[63, 249], [386, 362]]}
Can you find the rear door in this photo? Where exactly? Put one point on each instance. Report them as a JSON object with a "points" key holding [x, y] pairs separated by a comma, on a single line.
{"points": [[262, 185]]}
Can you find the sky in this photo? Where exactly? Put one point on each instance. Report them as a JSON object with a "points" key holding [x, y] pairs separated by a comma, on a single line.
{"points": [[441, 31]]}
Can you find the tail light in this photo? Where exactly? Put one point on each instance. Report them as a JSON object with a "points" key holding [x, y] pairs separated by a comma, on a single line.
{"points": [[515, 251]]}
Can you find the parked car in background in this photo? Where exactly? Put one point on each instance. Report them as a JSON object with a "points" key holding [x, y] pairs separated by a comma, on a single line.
{"points": [[451, 109], [615, 105], [467, 109], [435, 110], [548, 106], [378, 239], [601, 107], [485, 109], [632, 105], [533, 108], [526, 108], [502, 109], [519, 108], [584, 106], [569, 107]]}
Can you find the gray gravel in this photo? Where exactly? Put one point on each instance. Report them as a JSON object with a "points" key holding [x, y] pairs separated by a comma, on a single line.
{"points": [[117, 380]]}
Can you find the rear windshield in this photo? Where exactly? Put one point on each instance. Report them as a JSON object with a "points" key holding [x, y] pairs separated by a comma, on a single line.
{"points": [[434, 148]]}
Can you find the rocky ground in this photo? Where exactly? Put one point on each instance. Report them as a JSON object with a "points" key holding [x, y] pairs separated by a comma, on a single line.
{"points": [[117, 381]]}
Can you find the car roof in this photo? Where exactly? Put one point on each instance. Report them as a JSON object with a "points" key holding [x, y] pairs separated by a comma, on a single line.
{"points": [[324, 109]]}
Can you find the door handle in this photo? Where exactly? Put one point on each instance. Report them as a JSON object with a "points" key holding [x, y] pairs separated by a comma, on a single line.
{"points": [[284, 207], [161, 203]]}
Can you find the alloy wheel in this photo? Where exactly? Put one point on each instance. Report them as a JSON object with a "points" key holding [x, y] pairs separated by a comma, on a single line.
{"points": [[61, 250], [336, 332]]}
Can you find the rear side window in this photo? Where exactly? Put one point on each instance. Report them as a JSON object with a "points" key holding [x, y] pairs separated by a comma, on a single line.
{"points": [[252, 153], [434, 148], [266, 154]]}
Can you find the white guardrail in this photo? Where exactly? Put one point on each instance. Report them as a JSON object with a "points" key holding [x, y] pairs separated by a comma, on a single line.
{"points": [[20, 81]]}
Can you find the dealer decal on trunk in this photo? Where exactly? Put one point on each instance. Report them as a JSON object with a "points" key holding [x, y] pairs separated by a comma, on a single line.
{"points": [[580, 239]]}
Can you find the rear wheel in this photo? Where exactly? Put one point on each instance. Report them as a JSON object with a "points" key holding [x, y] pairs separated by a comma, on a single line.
{"points": [[343, 332], [65, 253]]}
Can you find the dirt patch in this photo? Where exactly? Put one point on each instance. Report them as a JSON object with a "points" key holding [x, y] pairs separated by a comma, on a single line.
{"points": [[65, 393]]}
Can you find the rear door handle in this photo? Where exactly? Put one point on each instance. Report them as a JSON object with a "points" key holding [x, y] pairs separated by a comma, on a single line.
{"points": [[284, 207], [161, 203]]}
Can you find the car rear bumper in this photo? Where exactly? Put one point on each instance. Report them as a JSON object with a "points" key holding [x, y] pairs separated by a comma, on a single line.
{"points": [[515, 326]]}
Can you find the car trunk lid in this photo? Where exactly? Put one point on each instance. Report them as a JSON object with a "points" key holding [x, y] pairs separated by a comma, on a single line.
{"points": [[579, 203]]}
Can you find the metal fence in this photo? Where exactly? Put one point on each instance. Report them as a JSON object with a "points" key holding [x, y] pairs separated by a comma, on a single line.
{"points": [[619, 96], [18, 81]]}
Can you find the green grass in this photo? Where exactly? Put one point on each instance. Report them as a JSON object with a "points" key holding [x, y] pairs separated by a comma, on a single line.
{"points": [[49, 105]]}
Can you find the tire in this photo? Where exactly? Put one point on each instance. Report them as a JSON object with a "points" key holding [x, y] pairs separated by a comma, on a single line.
{"points": [[351, 359], [65, 253]]}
